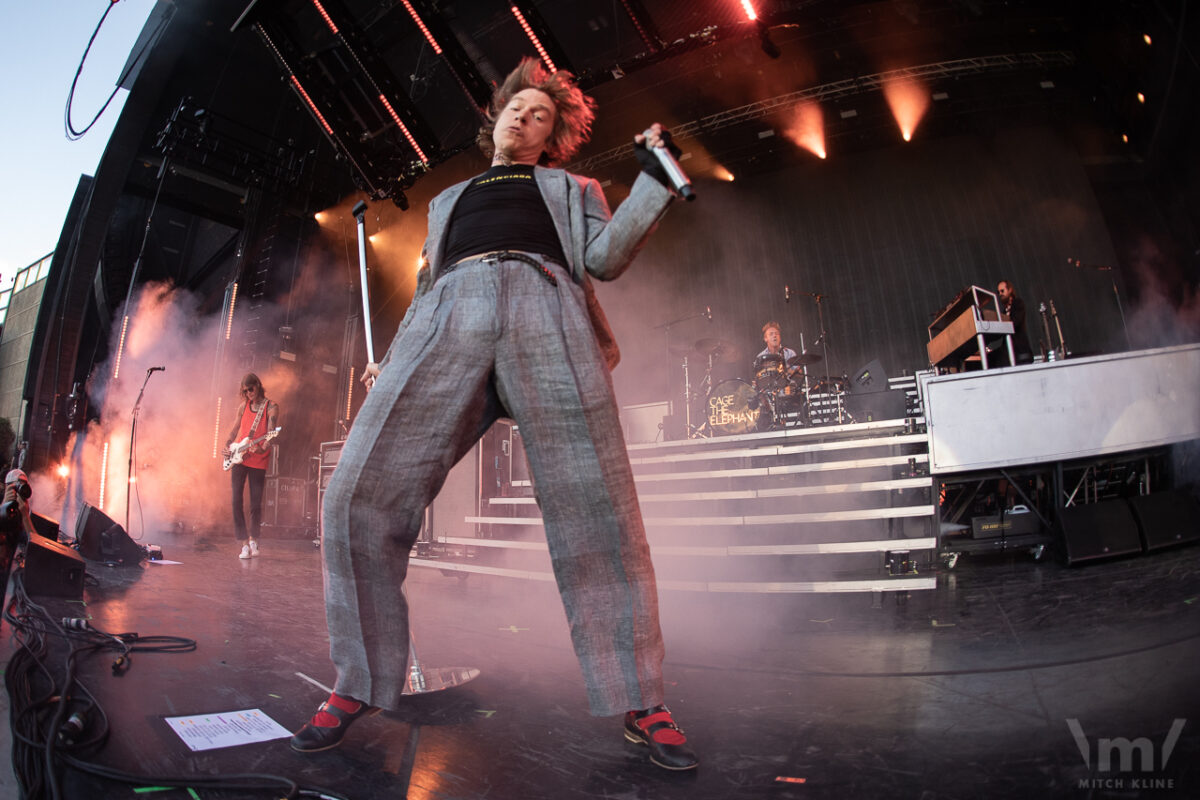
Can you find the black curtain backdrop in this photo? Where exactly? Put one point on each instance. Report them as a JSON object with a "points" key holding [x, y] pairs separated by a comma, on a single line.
{"points": [[888, 237]]}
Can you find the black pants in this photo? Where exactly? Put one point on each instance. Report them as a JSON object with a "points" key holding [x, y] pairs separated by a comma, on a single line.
{"points": [[239, 474]]}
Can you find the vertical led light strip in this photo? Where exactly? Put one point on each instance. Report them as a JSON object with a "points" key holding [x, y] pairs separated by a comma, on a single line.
{"points": [[229, 319], [325, 16], [103, 474], [653, 45], [533, 38], [412, 12], [404, 130], [350, 394], [120, 347], [217, 430]]}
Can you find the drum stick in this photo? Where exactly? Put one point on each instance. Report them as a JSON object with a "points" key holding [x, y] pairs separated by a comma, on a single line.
{"points": [[359, 212]]}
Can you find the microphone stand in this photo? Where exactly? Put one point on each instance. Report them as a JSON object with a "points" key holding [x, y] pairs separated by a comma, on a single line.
{"points": [[133, 433], [421, 679], [1117, 294], [665, 327]]}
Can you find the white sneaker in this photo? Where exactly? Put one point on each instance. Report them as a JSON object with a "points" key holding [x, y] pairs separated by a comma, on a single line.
{"points": [[245, 551], [253, 548]]}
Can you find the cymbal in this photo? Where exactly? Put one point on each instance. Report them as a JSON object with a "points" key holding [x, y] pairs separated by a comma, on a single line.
{"points": [[719, 349], [803, 360]]}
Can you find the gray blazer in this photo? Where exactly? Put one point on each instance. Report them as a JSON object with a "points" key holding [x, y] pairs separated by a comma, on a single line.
{"points": [[596, 242]]}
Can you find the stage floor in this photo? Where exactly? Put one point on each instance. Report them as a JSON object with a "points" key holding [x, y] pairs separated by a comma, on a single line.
{"points": [[963, 691]]}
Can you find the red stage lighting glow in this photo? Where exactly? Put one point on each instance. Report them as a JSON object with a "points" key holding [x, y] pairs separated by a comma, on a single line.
{"points": [[909, 100], [325, 16], [412, 12], [807, 128], [751, 14], [404, 130], [312, 106], [537, 45]]}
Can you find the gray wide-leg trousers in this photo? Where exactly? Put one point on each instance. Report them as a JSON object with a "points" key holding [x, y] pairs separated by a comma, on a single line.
{"points": [[490, 339]]}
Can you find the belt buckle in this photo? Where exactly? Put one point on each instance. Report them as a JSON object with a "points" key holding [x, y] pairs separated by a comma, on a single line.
{"points": [[494, 258]]}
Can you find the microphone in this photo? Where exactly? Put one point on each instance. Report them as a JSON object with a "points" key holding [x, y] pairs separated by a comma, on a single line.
{"points": [[675, 174], [708, 313], [787, 293], [156, 369]]}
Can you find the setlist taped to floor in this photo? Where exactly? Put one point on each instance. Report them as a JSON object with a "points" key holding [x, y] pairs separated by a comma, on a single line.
{"points": [[226, 729]]}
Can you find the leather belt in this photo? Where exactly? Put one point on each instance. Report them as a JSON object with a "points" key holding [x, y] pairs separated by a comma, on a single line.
{"points": [[496, 256]]}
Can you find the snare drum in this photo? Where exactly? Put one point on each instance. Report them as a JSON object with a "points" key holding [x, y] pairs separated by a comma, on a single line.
{"points": [[769, 372], [734, 407]]}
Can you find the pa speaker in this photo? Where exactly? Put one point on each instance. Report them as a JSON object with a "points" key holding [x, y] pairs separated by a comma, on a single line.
{"points": [[101, 539], [1166, 518], [52, 569], [1098, 530]]}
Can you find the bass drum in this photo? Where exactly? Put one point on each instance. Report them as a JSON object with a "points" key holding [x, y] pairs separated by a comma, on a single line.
{"points": [[734, 407]]}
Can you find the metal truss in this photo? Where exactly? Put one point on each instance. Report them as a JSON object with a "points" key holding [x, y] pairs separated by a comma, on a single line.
{"points": [[836, 90]]}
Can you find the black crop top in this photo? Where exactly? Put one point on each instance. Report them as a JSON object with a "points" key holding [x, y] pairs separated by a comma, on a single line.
{"points": [[502, 209]]}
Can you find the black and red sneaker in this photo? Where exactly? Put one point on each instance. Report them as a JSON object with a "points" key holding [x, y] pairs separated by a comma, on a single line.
{"points": [[327, 727], [668, 745]]}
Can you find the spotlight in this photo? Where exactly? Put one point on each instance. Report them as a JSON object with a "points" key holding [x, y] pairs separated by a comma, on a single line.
{"points": [[1141, 97], [63, 470], [1146, 38]]}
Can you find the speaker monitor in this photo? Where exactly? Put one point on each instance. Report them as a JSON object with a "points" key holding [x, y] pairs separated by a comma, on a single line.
{"points": [[52, 569], [1098, 530], [44, 526], [101, 539], [1166, 518], [871, 378], [892, 404]]}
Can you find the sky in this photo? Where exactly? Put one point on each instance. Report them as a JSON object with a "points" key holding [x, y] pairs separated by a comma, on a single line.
{"points": [[43, 43]]}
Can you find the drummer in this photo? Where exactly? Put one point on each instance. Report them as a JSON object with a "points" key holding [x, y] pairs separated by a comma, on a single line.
{"points": [[773, 337]]}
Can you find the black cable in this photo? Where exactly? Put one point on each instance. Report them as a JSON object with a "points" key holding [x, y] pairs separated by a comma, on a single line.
{"points": [[56, 723], [73, 134]]}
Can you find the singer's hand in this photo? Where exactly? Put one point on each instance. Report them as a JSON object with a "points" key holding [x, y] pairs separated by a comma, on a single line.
{"points": [[370, 373], [655, 139]]}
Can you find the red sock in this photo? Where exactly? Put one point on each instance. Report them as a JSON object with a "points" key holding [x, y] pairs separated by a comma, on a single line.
{"points": [[662, 735], [323, 719]]}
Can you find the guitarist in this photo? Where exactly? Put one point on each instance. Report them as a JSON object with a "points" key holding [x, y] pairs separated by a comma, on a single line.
{"points": [[255, 417]]}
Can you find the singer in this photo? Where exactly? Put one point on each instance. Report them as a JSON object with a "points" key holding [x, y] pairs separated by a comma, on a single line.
{"points": [[505, 323]]}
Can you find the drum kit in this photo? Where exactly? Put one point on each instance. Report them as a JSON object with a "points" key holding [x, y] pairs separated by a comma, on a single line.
{"points": [[780, 393]]}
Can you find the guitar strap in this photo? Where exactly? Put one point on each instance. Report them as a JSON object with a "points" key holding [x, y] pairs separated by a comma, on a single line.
{"points": [[258, 417]]}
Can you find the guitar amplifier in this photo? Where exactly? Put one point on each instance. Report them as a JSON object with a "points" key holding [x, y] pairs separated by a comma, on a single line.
{"points": [[285, 501]]}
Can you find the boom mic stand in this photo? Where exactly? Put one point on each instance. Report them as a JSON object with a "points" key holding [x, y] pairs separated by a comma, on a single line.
{"points": [[129, 477], [421, 679], [665, 327], [1112, 276]]}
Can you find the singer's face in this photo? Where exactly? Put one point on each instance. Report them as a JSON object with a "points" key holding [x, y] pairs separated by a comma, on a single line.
{"points": [[772, 338], [524, 127], [1004, 292]]}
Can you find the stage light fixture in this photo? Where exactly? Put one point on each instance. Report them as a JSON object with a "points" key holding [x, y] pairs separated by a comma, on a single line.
{"points": [[807, 128], [1125, 138], [1146, 38], [403, 129], [909, 100], [1141, 97], [63, 470], [537, 44], [412, 12], [751, 14]]}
